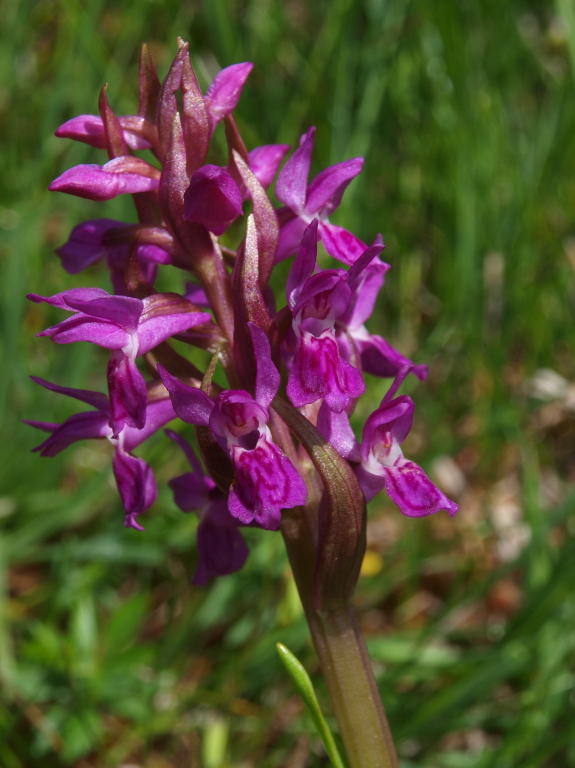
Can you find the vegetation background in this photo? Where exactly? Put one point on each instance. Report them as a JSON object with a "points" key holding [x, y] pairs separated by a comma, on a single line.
{"points": [[465, 113]]}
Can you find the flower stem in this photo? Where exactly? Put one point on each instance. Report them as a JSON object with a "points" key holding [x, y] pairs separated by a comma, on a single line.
{"points": [[344, 661]]}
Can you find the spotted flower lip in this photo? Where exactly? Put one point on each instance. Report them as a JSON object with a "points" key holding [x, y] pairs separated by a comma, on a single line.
{"points": [[221, 547], [134, 478], [318, 370], [265, 479], [318, 200], [383, 464]]}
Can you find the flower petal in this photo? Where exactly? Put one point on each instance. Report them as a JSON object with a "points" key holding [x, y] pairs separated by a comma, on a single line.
{"points": [[326, 190], [291, 186], [340, 243], [318, 371], [264, 161], [136, 485], [128, 393], [104, 182], [414, 493], [267, 378], [266, 483], [221, 547], [81, 426], [97, 399], [303, 265], [224, 93], [192, 405], [213, 199]]}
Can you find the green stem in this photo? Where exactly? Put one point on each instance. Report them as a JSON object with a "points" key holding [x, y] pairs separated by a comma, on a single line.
{"points": [[344, 661]]}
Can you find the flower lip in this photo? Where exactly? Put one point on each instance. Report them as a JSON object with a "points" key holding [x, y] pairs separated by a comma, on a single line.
{"points": [[237, 415]]}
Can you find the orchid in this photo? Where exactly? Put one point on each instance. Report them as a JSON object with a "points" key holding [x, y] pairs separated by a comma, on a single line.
{"points": [[134, 478], [318, 200], [127, 326], [273, 428], [266, 480]]}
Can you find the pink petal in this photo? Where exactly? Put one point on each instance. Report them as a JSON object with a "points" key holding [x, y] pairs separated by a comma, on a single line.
{"points": [[192, 405], [265, 161], [326, 190], [224, 93], [340, 243], [268, 378], [291, 186]]}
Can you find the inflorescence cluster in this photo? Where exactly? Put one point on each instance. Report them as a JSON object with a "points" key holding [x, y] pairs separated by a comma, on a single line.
{"points": [[279, 439]]}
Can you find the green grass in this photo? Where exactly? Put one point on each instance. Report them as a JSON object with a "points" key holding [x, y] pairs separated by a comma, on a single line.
{"points": [[465, 113]]}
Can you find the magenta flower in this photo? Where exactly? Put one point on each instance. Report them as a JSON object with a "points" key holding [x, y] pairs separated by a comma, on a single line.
{"points": [[378, 357], [264, 161], [383, 464], [224, 93], [317, 302], [212, 199], [120, 176], [380, 460], [134, 478], [265, 479], [221, 547], [91, 241], [127, 326], [318, 200], [90, 130]]}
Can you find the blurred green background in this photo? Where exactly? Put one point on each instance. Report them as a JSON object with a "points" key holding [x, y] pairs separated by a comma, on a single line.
{"points": [[465, 113]]}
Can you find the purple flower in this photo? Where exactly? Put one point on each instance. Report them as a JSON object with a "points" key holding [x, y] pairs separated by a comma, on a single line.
{"points": [[317, 302], [90, 130], [120, 176], [264, 161], [134, 478], [318, 200], [212, 199], [265, 479], [224, 93], [221, 547], [89, 243], [127, 326], [383, 464]]}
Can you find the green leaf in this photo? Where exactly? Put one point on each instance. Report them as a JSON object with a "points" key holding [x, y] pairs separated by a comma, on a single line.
{"points": [[304, 685]]}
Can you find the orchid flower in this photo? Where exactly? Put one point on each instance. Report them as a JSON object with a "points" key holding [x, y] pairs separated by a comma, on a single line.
{"points": [[265, 479], [134, 478], [318, 200], [91, 241], [127, 326], [317, 302]]}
